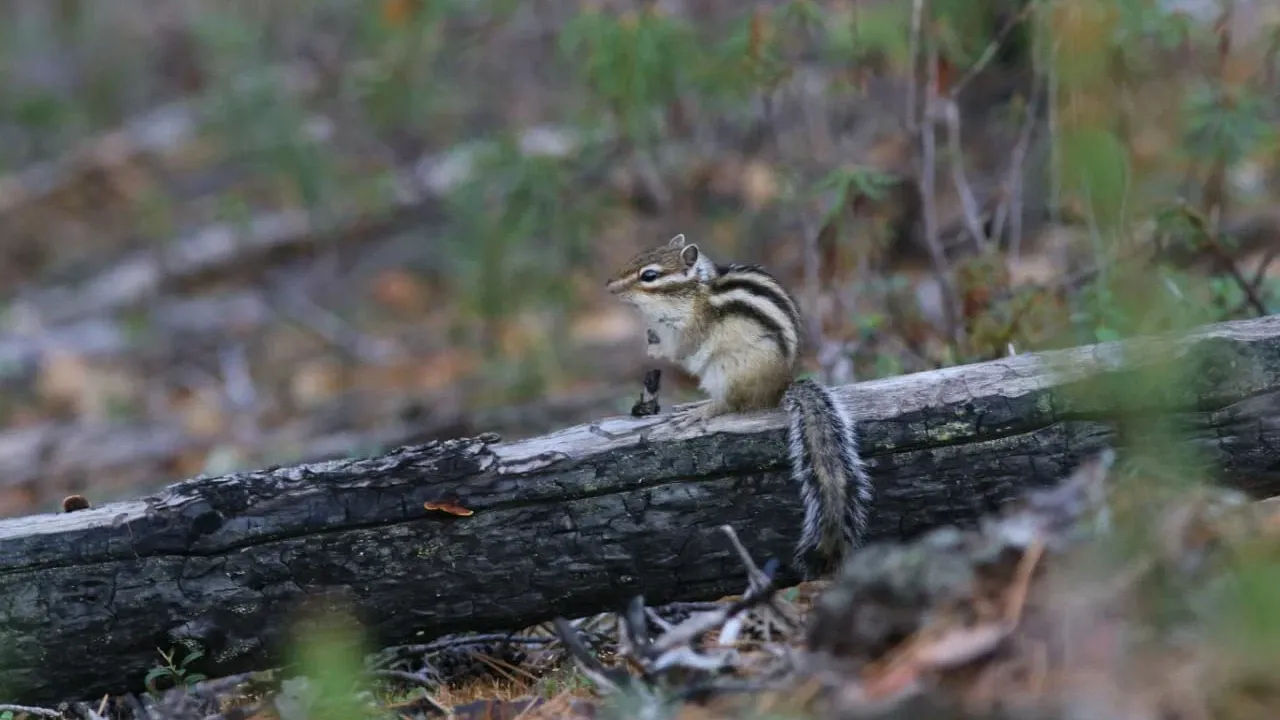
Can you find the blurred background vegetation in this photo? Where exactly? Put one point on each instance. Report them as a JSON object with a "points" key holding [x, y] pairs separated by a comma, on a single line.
{"points": [[243, 233]]}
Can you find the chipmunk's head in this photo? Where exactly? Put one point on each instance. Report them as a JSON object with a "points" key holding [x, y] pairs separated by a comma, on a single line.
{"points": [[664, 279]]}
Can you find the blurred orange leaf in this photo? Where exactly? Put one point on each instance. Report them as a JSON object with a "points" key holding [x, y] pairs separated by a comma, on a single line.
{"points": [[758, 30], [399, 12], [450, 508], [946, 75], [400, 290]]}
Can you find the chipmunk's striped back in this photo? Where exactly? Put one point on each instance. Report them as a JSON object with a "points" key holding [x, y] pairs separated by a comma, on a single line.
{"points": [[750, 292]]}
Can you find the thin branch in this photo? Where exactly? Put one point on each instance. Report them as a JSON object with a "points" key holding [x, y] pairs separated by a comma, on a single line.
{"points": [[989, 53], [756, 577], [1268, 257], [690, 629], [1208, 230], [403, 651], [928, 198], [812, 282], [913, 51], [37, 711], [605, 679], [1011, 205], [421, 680], [1055, 154], [972, 219]]}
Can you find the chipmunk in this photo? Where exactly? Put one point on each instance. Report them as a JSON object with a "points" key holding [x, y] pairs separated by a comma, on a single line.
{"points": [[737, 329]]}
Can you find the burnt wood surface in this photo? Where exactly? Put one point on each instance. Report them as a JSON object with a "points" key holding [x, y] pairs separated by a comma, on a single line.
{"points": [[580, 520]]}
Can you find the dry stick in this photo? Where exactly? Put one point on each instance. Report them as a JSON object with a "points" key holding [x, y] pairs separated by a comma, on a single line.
{"points": [[1267, 258], [673, 647], [1055, 155], [1250, 292], [1017, 597], [439, 645], [952, 116], [1013, 209], [420, 679], [758, 578], [37, 711], [588, 665], [929, 201], [633, 638], [989, 53], [88, 713], [812, 285], [503, 667], [913, 52], [1209, 232], [951, 113], [692, 607], [656, 619], [293, 305], [414, 677], [1259, 275], [690, 629]]}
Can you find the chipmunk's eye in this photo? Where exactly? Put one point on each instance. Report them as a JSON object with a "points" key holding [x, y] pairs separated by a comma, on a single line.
{"points": [[649, 275]]}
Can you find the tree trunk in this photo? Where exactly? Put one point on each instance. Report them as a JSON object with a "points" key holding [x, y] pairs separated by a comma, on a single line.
{"points": [[581, 520]]}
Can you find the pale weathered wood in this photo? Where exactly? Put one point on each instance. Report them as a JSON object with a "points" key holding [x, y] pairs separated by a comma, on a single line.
{"points": [[573, 522]]}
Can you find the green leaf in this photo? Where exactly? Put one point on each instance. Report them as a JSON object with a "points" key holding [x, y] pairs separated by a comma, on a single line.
{"points": [[1095, 168], [155, 674], [1106, 334]]}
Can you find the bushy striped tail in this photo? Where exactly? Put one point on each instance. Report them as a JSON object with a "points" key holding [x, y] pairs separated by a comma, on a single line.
{"points": [[833, 481]]}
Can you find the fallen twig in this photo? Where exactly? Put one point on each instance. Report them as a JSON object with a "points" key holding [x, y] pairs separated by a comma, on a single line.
{"points": [[30, 710]]}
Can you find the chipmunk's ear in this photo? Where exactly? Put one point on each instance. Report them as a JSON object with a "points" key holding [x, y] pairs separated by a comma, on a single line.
{"points": [[677, 241], [689, 255], [696, 264]]}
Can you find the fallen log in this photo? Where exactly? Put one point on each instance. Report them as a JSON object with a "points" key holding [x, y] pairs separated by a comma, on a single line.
{"points": [[577, 521]]}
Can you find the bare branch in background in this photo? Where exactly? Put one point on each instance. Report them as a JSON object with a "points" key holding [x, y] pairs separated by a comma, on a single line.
{"points": [[832, 356], [913, 51], [1010, 208], [989, 52], [295, 305], [239, 390], [972, 218], [812, 283], [927, 174], [1055, 154], [1211, 239]]}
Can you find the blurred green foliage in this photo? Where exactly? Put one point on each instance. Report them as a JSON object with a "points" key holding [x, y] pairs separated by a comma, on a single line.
{"points": [[522, 223]]}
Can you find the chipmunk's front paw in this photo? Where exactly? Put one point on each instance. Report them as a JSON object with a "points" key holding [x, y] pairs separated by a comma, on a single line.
{"points": [[693, 417], [653, 349]]}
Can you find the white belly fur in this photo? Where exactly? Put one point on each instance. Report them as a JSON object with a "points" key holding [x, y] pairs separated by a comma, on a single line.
{"points": [[734, 350]]}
